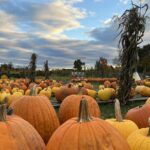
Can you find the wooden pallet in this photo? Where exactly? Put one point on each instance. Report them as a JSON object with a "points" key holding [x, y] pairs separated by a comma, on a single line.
{"points": [[57, 105]]}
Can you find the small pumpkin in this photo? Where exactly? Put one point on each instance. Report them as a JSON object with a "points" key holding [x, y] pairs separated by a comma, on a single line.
{"points": [[91, 93], [107, 84], [147, 82], [106, 94], [46, 92], [125, 127], [13, 97], [147, 101], [54, 89], [65, 91], [145, 91], [86, 133], [139, 88]]}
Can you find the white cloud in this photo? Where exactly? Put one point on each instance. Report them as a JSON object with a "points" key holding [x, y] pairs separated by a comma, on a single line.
{"points": [[98, 0], [28, 27], [134, 1], [60, 53], [124, 1], [7, 22], [51, 19], [108, 21]]}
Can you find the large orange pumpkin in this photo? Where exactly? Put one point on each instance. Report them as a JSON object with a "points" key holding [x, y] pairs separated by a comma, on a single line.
{"points": [[18, 134], [38, 111], [139, 115], [86, 133], [69, 108]]}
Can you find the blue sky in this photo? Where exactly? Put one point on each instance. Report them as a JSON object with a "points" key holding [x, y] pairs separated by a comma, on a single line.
{"points": [[60, 31]]}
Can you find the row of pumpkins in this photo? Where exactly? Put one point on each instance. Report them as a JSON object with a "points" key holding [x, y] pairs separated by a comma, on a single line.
{"points": [[35, 124], [13, 89]]}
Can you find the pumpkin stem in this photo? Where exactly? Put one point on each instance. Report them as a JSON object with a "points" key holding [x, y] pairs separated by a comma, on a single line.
{"points": [[118, 111], [33, 90], [80, 92], [3, 112], [149, 127], [69, 85], [84, 115]]}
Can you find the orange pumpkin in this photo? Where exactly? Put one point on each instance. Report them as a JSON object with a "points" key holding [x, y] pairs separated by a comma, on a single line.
{"points": [[65, 91], [18, 134], [145, 91], [86, 133], [38, 111], [139, 115], [69, 108], [107, 84]]}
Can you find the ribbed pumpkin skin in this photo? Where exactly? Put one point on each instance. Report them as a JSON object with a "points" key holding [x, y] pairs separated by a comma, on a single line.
{"points": [[139, 140], [18, 134], [69, 108], [39, 112], [94, 135], [126, 127], [65, 91], [139, 115]]}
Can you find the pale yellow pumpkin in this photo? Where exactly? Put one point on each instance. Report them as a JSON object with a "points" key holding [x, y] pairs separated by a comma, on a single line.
{"points": [[147, 101], [46, 92], [125, 127], [3, 96], [105, 94], [140, 139], [54, 89], [91, 93]]}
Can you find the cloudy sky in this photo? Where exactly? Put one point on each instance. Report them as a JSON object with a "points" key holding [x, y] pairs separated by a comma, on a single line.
{"points": [[60, 31]]}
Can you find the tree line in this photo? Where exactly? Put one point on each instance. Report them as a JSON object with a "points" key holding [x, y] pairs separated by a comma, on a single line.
{"points": [[101, 68]]}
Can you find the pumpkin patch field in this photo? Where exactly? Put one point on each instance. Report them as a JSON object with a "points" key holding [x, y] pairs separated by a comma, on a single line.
{"points": [[58, 115]]}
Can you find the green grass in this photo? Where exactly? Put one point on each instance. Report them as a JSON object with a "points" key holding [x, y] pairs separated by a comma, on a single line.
{"points": [[107, 110], [65, 79]]}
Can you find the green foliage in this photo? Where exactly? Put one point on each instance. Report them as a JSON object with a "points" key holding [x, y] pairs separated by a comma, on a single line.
{"points": [[32, 67], [103, 69], [78, 64], [144, 59], [46, 69]]}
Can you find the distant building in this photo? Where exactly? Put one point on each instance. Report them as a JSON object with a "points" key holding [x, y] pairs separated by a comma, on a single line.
{"points": [[77, 74]]}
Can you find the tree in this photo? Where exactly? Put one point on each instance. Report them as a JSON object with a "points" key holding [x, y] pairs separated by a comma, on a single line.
{"points": [[101, 66], [32, 67], [116, 61], [132, 25], [78, 64], [46, 69], [144, 58]]}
